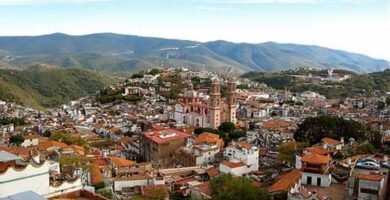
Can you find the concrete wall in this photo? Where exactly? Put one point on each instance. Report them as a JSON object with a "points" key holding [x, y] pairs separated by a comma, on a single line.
{"points": [[326, 179], [31, 178], [238, 171]]}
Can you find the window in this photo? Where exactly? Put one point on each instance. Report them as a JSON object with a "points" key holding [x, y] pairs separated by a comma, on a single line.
{"points": [[369, 191], [308, 181]]}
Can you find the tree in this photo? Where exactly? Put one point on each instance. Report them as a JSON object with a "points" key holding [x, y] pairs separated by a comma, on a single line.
{"points": [[68, 139], [237, 133], [313, 129], [16, 139], [287, 151], [201, 130], [227, 127], [154, 71], [227, 187], [69, 164], [380, 105], [106, 192]]}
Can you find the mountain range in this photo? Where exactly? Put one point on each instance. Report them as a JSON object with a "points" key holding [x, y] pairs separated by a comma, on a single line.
{"points": [[115, 53]]}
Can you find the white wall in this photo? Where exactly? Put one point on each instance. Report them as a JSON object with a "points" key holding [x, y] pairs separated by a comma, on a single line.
{"points": [[30, 142], [326, 179], [119, 184], [238, 171], [247, 156], [65, 187], [31, 178]]}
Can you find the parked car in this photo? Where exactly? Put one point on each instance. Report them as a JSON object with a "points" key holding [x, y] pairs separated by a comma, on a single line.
{"points": [[386, 165], [368, 165], [368, 160]]}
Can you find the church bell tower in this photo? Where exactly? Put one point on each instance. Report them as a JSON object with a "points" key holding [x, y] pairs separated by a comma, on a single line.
{"points": [[215, 104], [231, 101]]}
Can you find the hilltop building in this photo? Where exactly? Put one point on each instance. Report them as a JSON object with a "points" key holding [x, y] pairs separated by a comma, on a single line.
{"points": [[199, 112]]}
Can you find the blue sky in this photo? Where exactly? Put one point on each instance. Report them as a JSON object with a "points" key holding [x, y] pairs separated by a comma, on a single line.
{"points": [[361, 26]]}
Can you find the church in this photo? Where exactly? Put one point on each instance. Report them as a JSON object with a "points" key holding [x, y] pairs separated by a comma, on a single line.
{"points": [[197, 111]]}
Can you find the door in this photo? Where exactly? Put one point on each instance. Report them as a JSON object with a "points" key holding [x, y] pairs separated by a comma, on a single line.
{"points": [[318, 181], [309, 180]]}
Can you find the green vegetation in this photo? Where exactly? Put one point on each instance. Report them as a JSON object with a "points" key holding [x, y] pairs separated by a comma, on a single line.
{"points": [[40, 87], [125, 53], [230, 131], [227, 131], [287, 151], [105, 192], [175, 87], [108, 96], [68, 139], [358, 85], [69, 164], [16, 139], [227, 187], [313, 129], [15, 121]]}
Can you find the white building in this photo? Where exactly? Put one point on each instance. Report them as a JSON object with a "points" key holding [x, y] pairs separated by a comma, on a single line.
{"points": [[128, 184], [32, 176], [315, 169], [240, 158], [30, 140]]}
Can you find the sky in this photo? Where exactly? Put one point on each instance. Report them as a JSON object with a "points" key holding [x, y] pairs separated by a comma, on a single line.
{"points": [[361, 26]]}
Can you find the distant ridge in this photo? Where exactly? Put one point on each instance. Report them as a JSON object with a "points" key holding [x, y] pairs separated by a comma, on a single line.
{"points": [[113, 53]]}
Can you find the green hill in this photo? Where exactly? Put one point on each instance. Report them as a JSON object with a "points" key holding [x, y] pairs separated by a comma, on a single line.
{"points": [[49, 87], [358, 85], [126, 53]]}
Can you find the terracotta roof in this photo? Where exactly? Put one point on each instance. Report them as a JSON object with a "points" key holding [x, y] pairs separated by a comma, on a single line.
{"points": [[115, 130], [165, 135], [245, 145], [209, 138], [101, 162], [154, 191], [30, 137], [315, 158], [78, 148], [286, 182], [278, 123], [330, 141], [203, 188], [370, 177], [47, 144], [212, 172], [232, 164], [3, 148], [120, 162], [96, 176], [318, 150]]}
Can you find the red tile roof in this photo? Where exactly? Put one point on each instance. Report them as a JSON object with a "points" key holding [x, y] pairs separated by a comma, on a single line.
{"points": [[286, 182], [165, 135], [330, 141], [203, 188], [120, 162], [212, 172], [154, 191], [96, 176], [232, 164], [315, 158], [209, 138], [370, 177], [319, 150]]}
